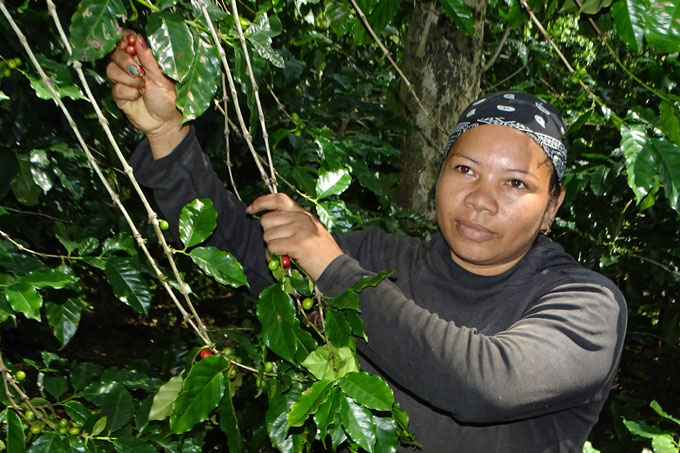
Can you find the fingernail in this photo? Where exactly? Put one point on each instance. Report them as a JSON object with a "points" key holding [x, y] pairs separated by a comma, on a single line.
{"points": [[133, 70], [141, 71], [141, 42]]}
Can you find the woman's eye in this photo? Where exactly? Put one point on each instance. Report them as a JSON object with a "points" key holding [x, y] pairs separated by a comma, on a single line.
{"points": [[464, 169], [517, 184]]}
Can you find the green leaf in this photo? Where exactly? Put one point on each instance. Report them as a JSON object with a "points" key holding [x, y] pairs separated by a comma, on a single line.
{"points": [[16, 440], [222, 266], [3, 96], [229, 422], [308, 403], [641, 165], [664, 443], [358, 423], [365, 281], [648, 432], [337, 13], [367, 390], [94, 30], [64, 319], [349, 300], [172, 43], [23, 187], [329, 363], [657, 408], [77, 412], [202, 391], [332, 183], [49, 442], [276, 313], [120, 242], [130, 444], [337, 328], [197, 222], [164, 398], [196, 90], [24, 299], [629, 22], [260, 34], [55, 385], [386, 439], [593, 6], [60, 77], [459, 13], [128, 284], [54, 278], [670, 121], [277, 422], [118, 406], [669, 170], [99, 426], [663, 25], [325, 415]]}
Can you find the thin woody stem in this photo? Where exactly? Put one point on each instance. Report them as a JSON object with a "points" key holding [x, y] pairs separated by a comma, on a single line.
{"points": [[33, 252], [256, 91], [227, 147], [386, 52], [237, 106], [153, 217], [91, 160]]}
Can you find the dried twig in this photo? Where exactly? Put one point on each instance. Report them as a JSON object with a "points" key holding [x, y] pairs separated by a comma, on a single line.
{"points": [[227, 146], [33, 252]]}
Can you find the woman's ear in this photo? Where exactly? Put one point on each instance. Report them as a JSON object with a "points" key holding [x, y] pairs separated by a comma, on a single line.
{"points": [[551, 210]]}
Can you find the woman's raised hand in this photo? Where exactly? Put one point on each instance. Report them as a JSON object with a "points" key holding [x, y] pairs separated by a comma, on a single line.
{"points": [[145, 94]]}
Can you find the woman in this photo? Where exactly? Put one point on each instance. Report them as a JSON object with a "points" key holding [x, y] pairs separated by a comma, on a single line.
{"points": [[493, 338]]}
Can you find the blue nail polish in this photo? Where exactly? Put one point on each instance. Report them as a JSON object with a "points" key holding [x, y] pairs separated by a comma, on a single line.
{"points": [[133, 69]]}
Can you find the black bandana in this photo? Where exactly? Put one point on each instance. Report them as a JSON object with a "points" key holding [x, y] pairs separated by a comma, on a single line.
{"points": [[524, 112]]}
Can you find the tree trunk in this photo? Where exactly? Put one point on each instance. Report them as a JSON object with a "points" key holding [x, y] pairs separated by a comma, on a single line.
{"points": [[444, 67]]}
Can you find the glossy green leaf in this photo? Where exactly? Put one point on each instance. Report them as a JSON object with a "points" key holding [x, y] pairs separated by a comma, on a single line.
{"points": [[646, 431], [120, 242], [369, 391], [337, 328], [332, 183], [386, 436], [669, 170], [365, 282], [16, 440], [196, 90], [308, 403], [94, 30], [641, 165], [64, 319], [100, 426], [662, 413], [23, 187], [172, 43], [202, 391], [348, 300], [276, 313], [197, 222], [54, 278], [358, 423], [324, 367], [355, 323], [593, 6], [161, 407], [60, 77], [327, 412], [629, 21], [460, 14], [49, 442], [663, 25], [670, 121], [664, 443], [130, 444], [277, 422], [229, 422], [77, 412], [222, 266], [55, 385], [337, 13], [24, 299], [260, 34], [118, 406], [128, 284]]}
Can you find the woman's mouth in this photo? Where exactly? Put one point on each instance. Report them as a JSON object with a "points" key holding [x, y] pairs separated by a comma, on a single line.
{"points": [[473, 231]]}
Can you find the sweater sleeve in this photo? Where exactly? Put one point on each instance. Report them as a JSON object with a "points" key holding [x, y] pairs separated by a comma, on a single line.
{"points": [[561, 354], [186, 174]]}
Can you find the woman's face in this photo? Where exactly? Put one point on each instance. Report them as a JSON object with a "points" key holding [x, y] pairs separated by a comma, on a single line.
{"points": [[492, 198]]}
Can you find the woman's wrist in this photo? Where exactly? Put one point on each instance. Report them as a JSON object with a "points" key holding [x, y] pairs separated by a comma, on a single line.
{"points": [[164, 141]]}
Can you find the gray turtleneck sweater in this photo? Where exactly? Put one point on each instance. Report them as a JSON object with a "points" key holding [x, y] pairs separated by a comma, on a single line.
{"points": [[517, 362]]}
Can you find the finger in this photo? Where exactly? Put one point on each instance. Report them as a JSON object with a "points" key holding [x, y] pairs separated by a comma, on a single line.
{"points": [[273, 202], [148, 61], [117, 75], [126, 62], [123, 93]]}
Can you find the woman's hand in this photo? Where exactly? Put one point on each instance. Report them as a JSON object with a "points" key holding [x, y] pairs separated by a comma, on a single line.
{"points": [[290, 230], [145, 94]]}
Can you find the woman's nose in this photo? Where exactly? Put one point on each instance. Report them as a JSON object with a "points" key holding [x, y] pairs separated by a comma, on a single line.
{"points": [[482, 197]]}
